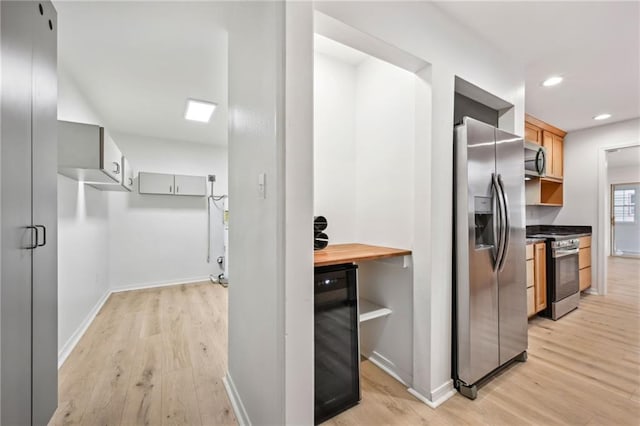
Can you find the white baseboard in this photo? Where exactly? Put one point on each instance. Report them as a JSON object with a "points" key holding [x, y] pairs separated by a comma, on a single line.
{"points": [[236, 402], [438, 396], [71, 343], [143, 286], [388, 367]]}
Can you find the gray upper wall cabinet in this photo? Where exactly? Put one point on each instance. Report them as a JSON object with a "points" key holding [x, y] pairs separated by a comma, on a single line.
{"points": [[88, 154], [166, 184], [127, 179], [28, 270]]}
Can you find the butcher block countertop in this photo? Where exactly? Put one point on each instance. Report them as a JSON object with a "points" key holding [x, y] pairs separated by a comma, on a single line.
{"points": [[337, 254]]}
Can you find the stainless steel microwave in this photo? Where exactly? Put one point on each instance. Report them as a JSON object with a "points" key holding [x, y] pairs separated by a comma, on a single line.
{"points": [[535, 160]]}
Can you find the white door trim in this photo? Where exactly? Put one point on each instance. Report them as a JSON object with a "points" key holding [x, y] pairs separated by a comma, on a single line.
{"points": [[603, 234]]}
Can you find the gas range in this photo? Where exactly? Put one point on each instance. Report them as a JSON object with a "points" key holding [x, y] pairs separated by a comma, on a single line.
{"points": [[563, 276]]}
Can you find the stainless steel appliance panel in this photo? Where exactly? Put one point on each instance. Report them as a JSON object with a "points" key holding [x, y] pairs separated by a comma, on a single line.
{"points": [[535, 160], [45, 208], [18, 236], [477, 287], [566, 275], [512, 281]]}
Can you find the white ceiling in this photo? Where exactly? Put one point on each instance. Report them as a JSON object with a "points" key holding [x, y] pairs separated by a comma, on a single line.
{"points": [[138, 62], [595, 46], [626, 157]]}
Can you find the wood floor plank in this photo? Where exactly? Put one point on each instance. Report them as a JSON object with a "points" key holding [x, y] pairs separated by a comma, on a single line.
{"points": [[179, 399], [143, 405]]}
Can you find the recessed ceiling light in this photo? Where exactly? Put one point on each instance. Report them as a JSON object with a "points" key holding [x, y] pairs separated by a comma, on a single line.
{"points": [[199, 110], [552, 81], [602, 116]]}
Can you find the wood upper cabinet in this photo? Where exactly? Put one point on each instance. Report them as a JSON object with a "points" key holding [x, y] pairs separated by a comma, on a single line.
{"points": [[554, 145], [532, 133], [540, 276], [558, 156]]}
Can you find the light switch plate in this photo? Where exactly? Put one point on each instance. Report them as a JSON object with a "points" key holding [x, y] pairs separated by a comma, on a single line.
{"points": [[262, 186]]}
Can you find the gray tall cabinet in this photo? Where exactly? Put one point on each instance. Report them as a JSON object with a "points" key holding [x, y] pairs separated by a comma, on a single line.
{"points": [[28, 213]]}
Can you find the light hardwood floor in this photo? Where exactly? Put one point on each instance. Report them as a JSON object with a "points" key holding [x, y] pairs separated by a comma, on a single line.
{"points": [[582, 370], [157, 357], [151, 357]]}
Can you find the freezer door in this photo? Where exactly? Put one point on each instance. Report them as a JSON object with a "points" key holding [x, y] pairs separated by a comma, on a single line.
{"points": [[512, 280], [477, 351]]}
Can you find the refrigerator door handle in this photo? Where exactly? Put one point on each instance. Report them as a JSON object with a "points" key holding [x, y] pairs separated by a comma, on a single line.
{"points": [[500, 213], [507, 222]]}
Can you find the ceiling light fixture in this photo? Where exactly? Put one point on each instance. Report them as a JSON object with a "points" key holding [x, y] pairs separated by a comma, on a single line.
{"points": [[199, 110], [552, 81], [602, 116]]}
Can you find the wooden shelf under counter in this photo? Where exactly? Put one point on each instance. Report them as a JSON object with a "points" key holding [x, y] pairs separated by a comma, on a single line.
{"points": [[336, 254]]}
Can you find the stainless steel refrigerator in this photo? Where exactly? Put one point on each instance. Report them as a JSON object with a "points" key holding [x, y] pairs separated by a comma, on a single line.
{"points": [[490, 312]]}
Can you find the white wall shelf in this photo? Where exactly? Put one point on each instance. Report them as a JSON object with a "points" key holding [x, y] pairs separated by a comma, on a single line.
{"points": [[370, 310]]}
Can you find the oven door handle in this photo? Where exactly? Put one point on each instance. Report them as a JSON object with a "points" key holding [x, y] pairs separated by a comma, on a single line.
{"points": [[564, 253]]}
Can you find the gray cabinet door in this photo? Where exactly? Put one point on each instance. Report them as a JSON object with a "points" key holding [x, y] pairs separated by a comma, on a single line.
{"points": [[44, 170], [15, 310], [155, 183], [127, 174], [191, 185]]}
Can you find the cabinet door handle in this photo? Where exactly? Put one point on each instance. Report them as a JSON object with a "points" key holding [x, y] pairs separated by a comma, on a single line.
{"points": [[170, 189], [44, 236], [117, 169], [33, 245], [130, 181], [177, 189]]}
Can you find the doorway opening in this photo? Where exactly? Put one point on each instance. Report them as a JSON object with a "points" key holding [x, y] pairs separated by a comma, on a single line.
{"points": [[143, 321]]}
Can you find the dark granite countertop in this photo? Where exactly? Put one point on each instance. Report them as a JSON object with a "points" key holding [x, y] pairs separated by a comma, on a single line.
{"points": [[551, 231]]}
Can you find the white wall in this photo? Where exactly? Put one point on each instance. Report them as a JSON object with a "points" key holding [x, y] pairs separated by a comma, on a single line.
{"points": [[334, 148], [585, 203], [158, 239], [385, 139], [83, 254], [256, 375], [452, 50]]}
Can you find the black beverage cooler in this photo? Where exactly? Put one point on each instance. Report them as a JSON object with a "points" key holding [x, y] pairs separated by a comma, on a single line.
{"points": [[337, 363]]}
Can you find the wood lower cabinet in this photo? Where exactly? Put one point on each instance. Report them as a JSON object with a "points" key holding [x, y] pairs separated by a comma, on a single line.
{"points": [[584, 263], [531, 302], [536, 278], [540, 275]]}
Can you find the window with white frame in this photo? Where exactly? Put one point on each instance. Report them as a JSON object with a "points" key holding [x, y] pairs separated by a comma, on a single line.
{"points": [[624, 205]]}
